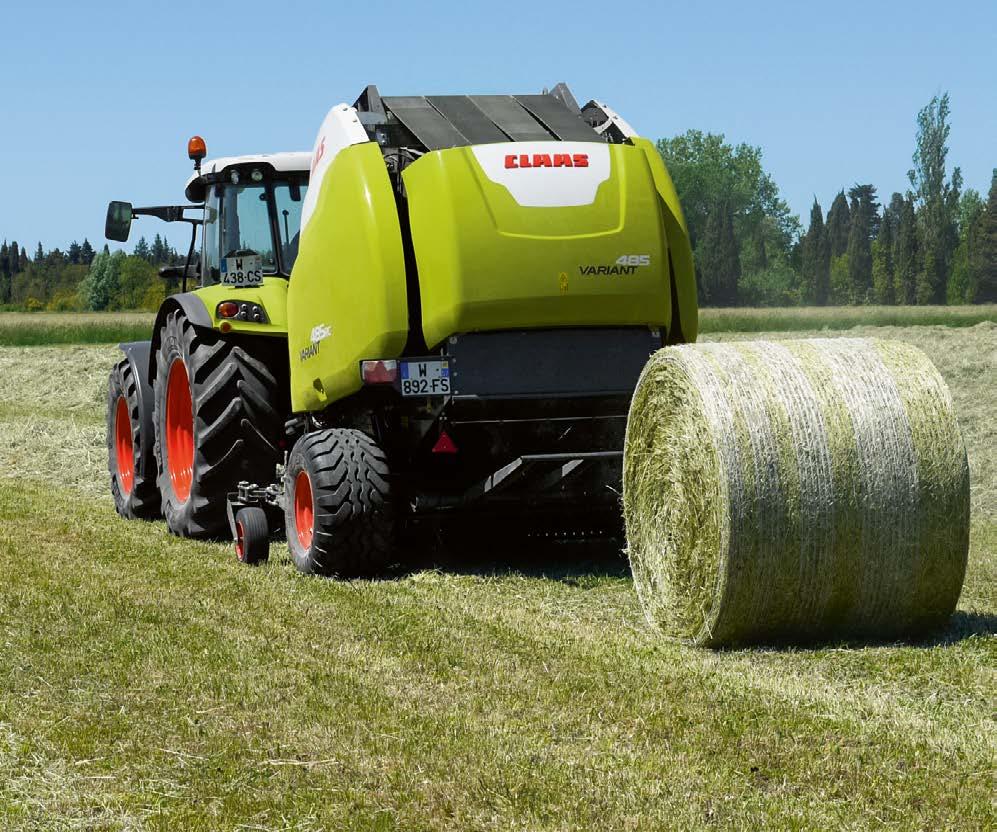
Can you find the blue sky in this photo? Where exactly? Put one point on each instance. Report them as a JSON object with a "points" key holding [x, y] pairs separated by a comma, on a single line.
{"points": [[97, 100]]}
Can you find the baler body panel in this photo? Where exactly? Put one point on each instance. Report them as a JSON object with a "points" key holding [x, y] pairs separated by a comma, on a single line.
{"points": [[530, 235], [346, 299]]}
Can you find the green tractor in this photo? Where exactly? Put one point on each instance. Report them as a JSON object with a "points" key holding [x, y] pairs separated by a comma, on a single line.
{"points": [[440, 312]]}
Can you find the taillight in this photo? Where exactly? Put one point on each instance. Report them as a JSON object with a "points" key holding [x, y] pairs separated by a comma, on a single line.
{"points": [[228, 309], [379, 372]]}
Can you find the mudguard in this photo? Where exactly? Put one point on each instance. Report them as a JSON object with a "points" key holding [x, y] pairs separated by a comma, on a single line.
{"points": [[138, 354]]}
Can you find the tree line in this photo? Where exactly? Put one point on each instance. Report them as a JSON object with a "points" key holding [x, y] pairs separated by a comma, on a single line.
{"points": [[934, 244], [81, 279]]}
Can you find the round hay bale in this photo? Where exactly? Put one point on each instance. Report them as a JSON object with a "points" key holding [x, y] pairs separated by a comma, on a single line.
{"points": [[795, 491]]}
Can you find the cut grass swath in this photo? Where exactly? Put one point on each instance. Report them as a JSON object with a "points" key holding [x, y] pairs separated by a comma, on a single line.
{"points": [[798, 490]]}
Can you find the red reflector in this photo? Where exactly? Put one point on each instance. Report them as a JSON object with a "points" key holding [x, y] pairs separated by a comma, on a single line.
{"points": [[444, 445], [379, 372], [228, 309]]}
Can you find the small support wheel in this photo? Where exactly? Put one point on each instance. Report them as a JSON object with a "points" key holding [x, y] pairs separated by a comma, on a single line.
{"points": [[252, 536]]}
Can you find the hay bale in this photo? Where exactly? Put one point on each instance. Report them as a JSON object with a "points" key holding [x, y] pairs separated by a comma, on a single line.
{"points": [[799, 490]]}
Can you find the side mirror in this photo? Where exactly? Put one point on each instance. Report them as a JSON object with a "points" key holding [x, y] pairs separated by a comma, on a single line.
{"points": [[192, 272], [119, 221]]}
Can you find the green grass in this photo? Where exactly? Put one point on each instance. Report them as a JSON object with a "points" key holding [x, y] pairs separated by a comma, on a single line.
{"points": [[19, 329], [151, 682], [840, 317]]}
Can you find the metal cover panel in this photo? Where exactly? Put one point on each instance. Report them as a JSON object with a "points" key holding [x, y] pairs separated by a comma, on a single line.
{"points": [[557, 118], [461, 112], [425, 123], [511, 118], [549, 362]]}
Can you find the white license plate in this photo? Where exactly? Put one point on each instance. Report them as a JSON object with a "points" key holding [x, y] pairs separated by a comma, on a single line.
{"points": [[424, 378], [242, 270]]}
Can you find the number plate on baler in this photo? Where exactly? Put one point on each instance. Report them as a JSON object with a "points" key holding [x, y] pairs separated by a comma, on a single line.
{"points": [[424, 378]]}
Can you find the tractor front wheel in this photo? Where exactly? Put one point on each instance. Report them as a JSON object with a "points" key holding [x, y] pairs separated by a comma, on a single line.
{"points": [[219, 418], [130, 459], [339, 514]]}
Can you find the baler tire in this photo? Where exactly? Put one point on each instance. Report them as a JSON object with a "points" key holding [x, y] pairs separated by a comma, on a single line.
{"points": [[252, 542], [339, 510], [130, 460], [227, 423]]}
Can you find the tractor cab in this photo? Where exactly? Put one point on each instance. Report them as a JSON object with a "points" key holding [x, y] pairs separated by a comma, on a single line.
{"points": [[252, 216], [250, 210]]}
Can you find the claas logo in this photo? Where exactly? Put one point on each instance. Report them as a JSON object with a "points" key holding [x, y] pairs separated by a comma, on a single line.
{"points": [[546, 160]]}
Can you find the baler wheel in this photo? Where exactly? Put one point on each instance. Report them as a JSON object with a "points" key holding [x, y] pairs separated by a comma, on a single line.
{"points": [[129, 459], [339, 513], [219, 418], [252, 536]]}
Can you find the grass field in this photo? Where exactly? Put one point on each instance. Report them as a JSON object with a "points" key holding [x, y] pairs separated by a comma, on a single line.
{"points": [[153, 683], [47, 328]]}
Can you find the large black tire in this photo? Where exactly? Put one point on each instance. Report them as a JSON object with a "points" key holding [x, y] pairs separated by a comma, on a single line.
{"points": [[339, 513], [130, 458], [219, 416]]}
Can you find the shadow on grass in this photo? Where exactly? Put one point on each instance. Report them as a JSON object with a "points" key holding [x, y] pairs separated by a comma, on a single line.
{"points": [[575, 562], [962, 626]]}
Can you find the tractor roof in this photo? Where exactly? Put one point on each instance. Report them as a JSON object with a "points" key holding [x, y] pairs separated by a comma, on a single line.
{"points": [[295, 161]]}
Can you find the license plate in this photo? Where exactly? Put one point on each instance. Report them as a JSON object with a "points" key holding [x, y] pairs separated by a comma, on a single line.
{"points": [[424, 378], [243, 270]]}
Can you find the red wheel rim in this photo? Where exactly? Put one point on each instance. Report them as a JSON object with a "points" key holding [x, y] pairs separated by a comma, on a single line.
{"points": [[304, 510], [124, 451], [179, 431], [240, 541]]}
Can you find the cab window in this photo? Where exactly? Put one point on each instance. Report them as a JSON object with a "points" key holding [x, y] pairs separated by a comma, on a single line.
{"points": [[245, 224]]}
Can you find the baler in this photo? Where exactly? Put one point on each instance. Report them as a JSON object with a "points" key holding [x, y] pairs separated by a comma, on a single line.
{"points": [[441, 311]]}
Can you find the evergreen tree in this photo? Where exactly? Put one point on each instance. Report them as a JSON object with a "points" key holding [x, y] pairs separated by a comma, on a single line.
{"points": [[984, 265], [23, 263], [14, 258], [39, 253], [937, 200], [719, 258], [906, 257], [838, 225], [882, 261], [962, 283], [4, 273], [74, 253], [142, 250], [86, 252], [864, 225], [815, 259]]}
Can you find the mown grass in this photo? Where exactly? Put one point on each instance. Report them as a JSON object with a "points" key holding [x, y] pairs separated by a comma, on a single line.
{"points": [[153, 683]]}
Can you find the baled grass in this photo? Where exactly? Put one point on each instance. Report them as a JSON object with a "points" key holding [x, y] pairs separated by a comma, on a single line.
{"points": [[797, 490], [19, 329], [794, 318]]}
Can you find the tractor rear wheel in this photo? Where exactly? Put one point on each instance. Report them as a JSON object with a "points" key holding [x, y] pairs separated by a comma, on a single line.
{"points": [[130, 458], [339, 514], [219, 417]]}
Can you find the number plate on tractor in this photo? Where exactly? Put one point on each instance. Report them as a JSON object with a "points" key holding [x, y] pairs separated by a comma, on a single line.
{"points": [[424, 378], [242, 270]]}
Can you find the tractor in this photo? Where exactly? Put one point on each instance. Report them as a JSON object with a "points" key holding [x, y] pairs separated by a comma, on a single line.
{"points": [[437, 315]]}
